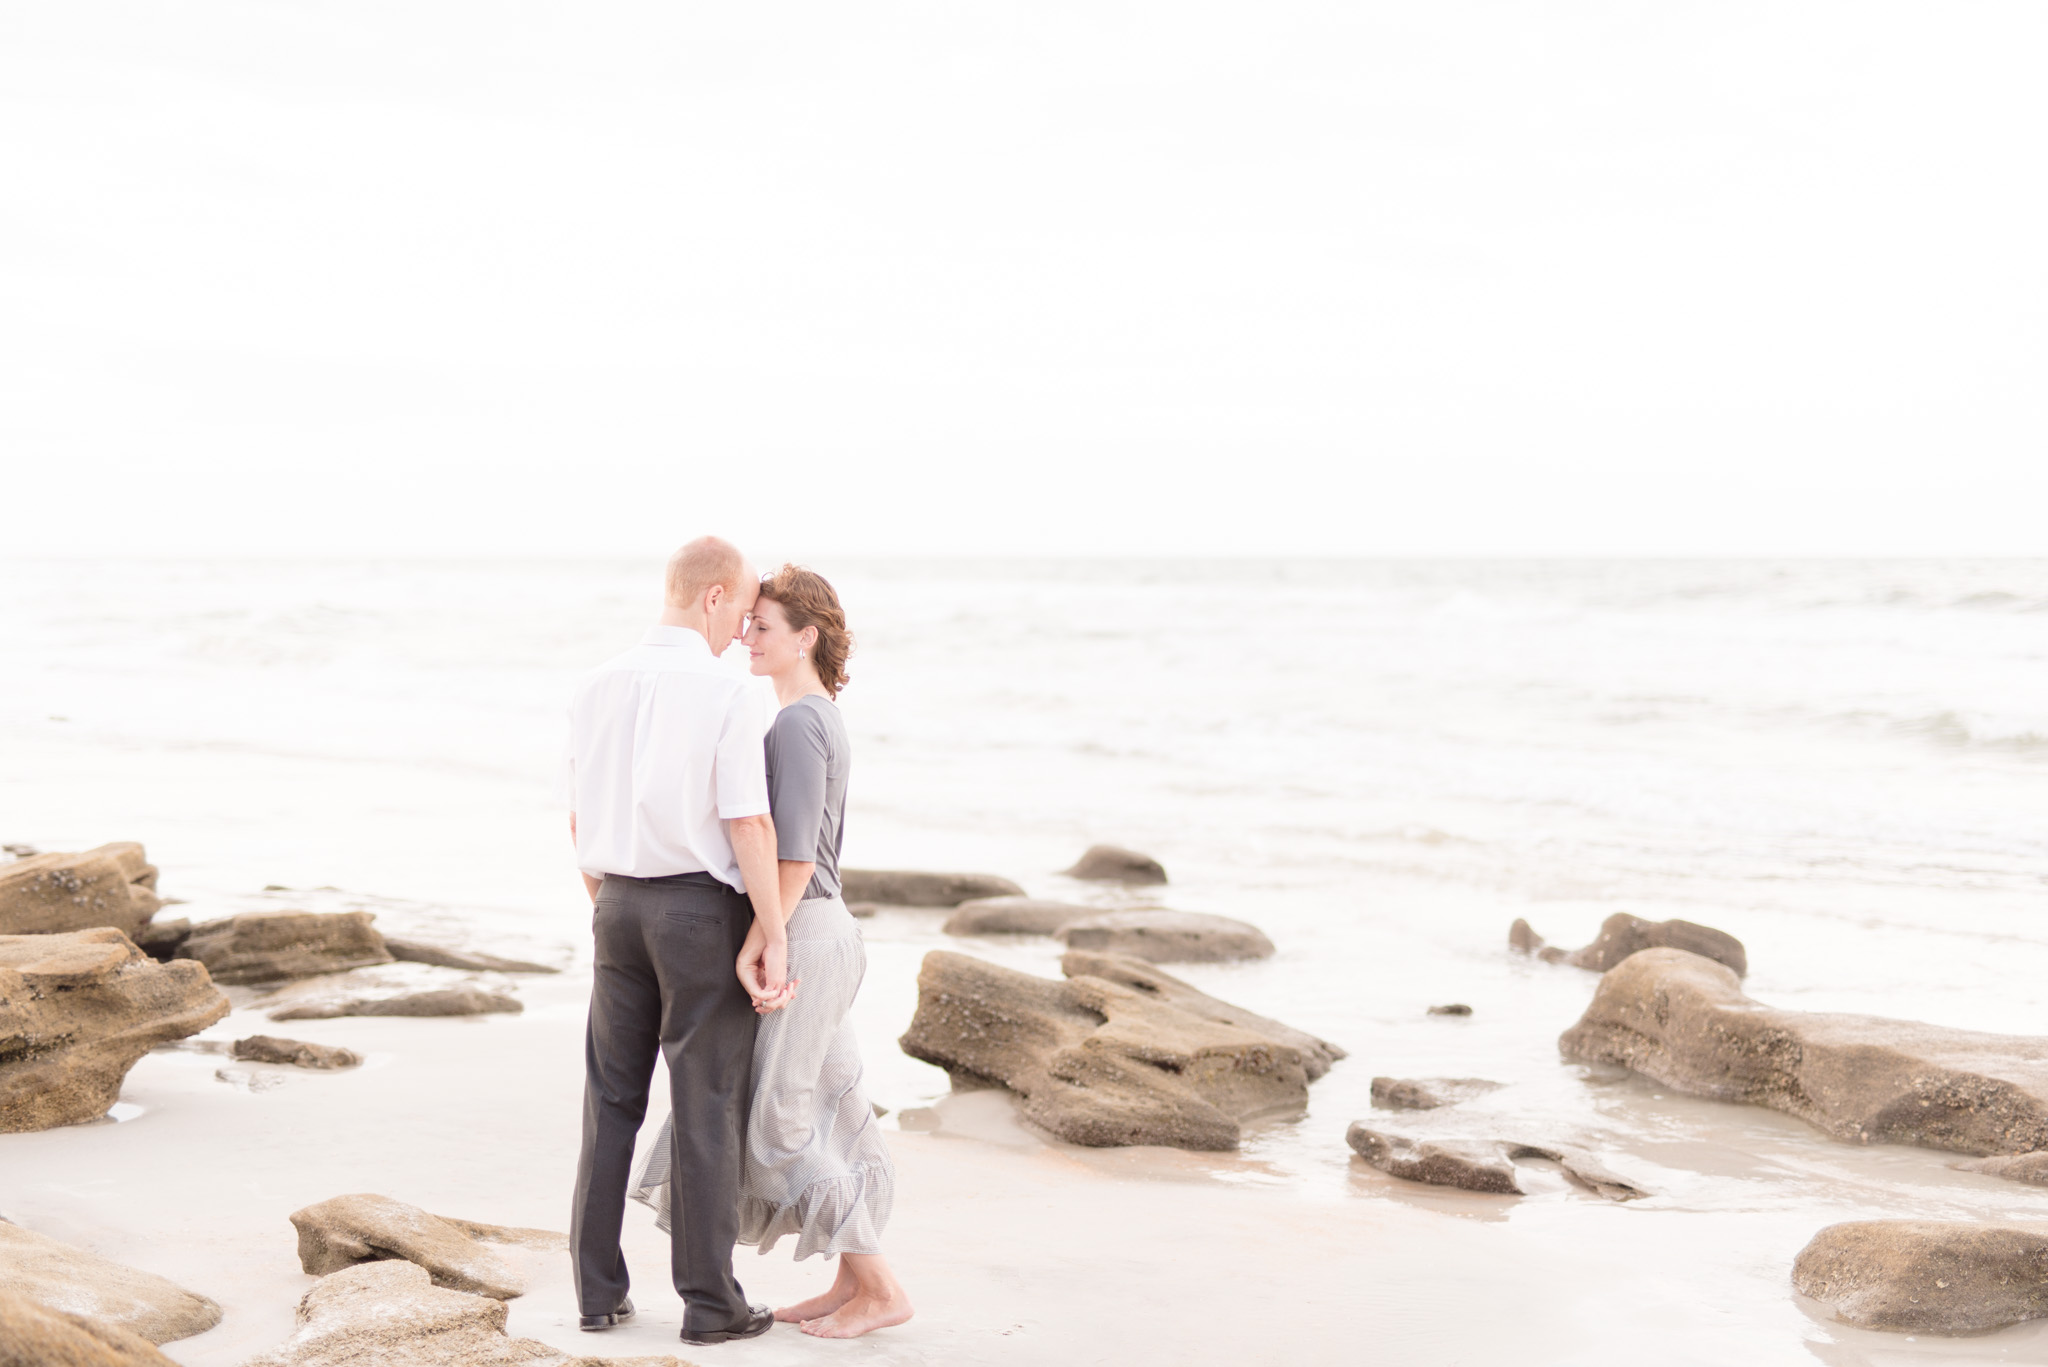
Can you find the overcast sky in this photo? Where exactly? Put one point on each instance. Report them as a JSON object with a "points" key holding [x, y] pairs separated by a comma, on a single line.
{"points": [[418, 276]]}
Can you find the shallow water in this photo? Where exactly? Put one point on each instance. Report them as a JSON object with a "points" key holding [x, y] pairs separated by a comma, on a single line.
{"points": [[1844, 764]]}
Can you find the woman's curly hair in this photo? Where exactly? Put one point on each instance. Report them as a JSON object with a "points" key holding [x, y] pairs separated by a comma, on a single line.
{"points": [[808, 601]]}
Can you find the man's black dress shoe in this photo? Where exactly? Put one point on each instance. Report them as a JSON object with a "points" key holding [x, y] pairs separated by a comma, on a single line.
{"points": [[618, 1316], [760, 1319]]}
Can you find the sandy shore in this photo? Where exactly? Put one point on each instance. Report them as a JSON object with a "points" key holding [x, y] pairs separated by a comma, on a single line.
{"points": [[1017, 1250]]}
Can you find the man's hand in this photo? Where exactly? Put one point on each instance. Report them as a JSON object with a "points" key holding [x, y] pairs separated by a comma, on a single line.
{"points": [[763, 968]]}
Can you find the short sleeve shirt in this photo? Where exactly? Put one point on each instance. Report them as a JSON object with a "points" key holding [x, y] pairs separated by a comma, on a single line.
{"points": [[664, 749], [808, 759]]}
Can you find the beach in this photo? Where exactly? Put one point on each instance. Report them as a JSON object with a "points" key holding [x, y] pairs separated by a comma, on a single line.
{"points": [[1381, 764]]}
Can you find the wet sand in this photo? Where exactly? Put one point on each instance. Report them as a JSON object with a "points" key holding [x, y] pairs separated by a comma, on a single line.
{"points": [[1016, 1249]]}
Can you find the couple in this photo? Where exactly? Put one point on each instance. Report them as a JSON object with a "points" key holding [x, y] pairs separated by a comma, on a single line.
{"points": [[707, 825]]}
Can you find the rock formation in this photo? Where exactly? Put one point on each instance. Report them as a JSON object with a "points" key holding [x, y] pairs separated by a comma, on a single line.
{"points": [[1113, 864], [909, 888], [2031, 1168], [463, 999], [389, 1314], [77, 1009], [348, 1230], [413, 952], [1622, 935], [266, 946], [75, 1281], [1926, 1276], [160, 940], [1168, 937], [1450, 1009], [1014, 916], [1684, 1021], [113, 885], [1479, 1164], [33, 1335], [296, 1053], [1316, 1055], [1099, 1063], [1427, 1093]]}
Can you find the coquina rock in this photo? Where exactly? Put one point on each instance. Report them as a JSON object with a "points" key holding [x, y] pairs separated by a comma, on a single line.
{"points": [[412, 951], [1684, 1021], [464, 999], [2031, 1168], [77, 1009], [1316, 1054], [348, 1230], [1926, 1276], [1622, 935], [1479, 1164], [1427, 1093], [75, 1281], [296, 1053], [1014, 916], [909, 888], [1168, 937], [1114, 864], [33, 1335], [113, 885], [267, 946], [390, 1314], [1099, 1063]]}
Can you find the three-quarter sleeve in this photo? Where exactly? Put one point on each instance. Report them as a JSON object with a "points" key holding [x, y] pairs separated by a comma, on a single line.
{"points": [[798, 759], [738, 766]]}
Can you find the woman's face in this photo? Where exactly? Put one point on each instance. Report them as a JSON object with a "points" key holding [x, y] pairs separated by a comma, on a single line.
{"points": [[771, 646]]}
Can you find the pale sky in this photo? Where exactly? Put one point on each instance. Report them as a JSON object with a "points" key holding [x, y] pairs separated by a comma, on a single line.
{"points": [[427, 277]]}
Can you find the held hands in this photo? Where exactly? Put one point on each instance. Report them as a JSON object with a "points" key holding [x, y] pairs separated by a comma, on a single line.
{"points": [[764, 971]]}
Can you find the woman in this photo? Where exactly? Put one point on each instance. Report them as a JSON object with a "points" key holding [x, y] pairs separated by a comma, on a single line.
{"points": [[816, 1165]]}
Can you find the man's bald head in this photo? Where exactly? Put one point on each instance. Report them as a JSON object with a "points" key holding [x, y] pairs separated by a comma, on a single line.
{"points": [[703, 564]]}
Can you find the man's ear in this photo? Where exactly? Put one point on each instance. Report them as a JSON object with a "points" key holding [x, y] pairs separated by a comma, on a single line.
{"points": [[713, 596]]}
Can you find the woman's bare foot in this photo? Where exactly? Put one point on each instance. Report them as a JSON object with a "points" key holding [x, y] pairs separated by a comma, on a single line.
{"points": [[843, 1289], [860, 1315]]}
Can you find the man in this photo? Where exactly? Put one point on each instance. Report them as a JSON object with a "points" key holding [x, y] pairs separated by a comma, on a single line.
{"points": [[669, 812]]}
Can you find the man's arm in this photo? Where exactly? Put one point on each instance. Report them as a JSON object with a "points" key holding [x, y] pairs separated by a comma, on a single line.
{"points": [[764, 962], [590, 885]]}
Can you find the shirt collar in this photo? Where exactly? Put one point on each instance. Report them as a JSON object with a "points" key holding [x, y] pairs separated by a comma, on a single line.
{"points": [[686, 637]]}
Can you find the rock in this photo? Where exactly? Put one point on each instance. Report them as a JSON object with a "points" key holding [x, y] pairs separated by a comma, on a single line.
{"points": [[906, 888], [1096, 1062], [33, 1335], [297, 1053], [1466, 1165], [1451, 1009], [1522, 937], [160, 940], [1014, 916], [74, 1281], [1622, 935], [863, 910], [1316, 1055], [1480, 1164], [348, 1230], [265, 946], [413, 952], [1168, 937], [77, 1009], [19, 851], [463, 1000], [1112, 864], [1684, 1021], [1926, 1276], [2023, 1167], [1427, 1093], [390, 1314], [51, 893]]}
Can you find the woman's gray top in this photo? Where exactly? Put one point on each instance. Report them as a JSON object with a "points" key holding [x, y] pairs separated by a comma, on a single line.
{"points": [[807, 762]]}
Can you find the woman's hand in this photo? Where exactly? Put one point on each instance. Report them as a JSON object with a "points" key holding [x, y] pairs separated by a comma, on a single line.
{"points": [[763, 969]]}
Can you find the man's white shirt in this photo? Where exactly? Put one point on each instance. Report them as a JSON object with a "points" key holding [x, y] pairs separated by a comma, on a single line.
{"points": [[665, 747]]}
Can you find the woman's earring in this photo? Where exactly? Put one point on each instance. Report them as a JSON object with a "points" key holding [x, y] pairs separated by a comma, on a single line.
{"points": [[799, 654]]}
